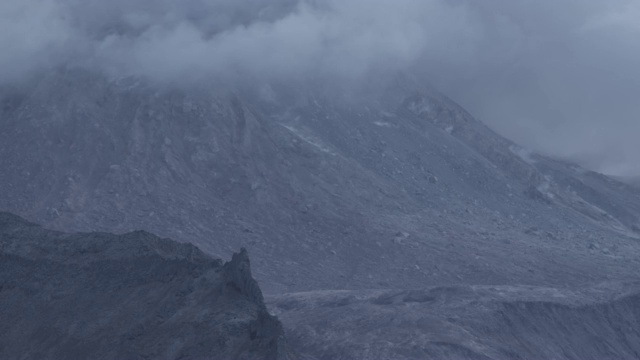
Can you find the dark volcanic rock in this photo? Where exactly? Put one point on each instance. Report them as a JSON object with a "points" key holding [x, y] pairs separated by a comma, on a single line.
{"points": [[131, 296], [465, 322]]}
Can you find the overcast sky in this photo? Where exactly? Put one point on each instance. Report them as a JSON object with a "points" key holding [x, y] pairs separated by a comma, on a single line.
{"points": [[559, 76]]}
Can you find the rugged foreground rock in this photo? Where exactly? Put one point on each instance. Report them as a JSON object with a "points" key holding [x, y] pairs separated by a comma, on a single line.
{"points": [[465, 322], [131, 296]]}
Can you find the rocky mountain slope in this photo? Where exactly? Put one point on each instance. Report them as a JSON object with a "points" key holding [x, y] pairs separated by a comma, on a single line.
{"points": [[388, 186], [335, 191], [132, 296]]}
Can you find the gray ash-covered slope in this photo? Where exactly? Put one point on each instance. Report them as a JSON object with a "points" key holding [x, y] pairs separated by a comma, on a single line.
{"points": [[395, 187], [132, 296], [465, 322]]}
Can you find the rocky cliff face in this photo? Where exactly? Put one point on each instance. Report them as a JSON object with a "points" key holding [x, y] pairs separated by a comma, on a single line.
{"points": [[131, 296]]}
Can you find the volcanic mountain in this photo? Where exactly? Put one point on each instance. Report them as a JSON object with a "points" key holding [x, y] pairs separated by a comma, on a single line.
{"points": [[387, 185], [396, 186]]}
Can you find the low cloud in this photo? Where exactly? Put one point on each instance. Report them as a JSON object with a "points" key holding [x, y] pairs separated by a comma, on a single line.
{"points": [[173, 40], [559, 76]]}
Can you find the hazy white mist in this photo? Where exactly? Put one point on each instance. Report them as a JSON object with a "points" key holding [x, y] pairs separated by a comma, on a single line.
{"points": [[559, 76]]}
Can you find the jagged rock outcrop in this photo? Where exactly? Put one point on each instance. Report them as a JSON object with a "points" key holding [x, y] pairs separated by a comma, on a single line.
{"points": [[266, 326], [131, 296]]}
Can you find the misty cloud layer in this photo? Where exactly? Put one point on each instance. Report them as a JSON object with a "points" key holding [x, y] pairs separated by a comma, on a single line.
{"points": [[560, 76], [172, 39]]}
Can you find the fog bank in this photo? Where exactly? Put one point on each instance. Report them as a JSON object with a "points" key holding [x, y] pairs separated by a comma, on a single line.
{"points": [[559, 76]]}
